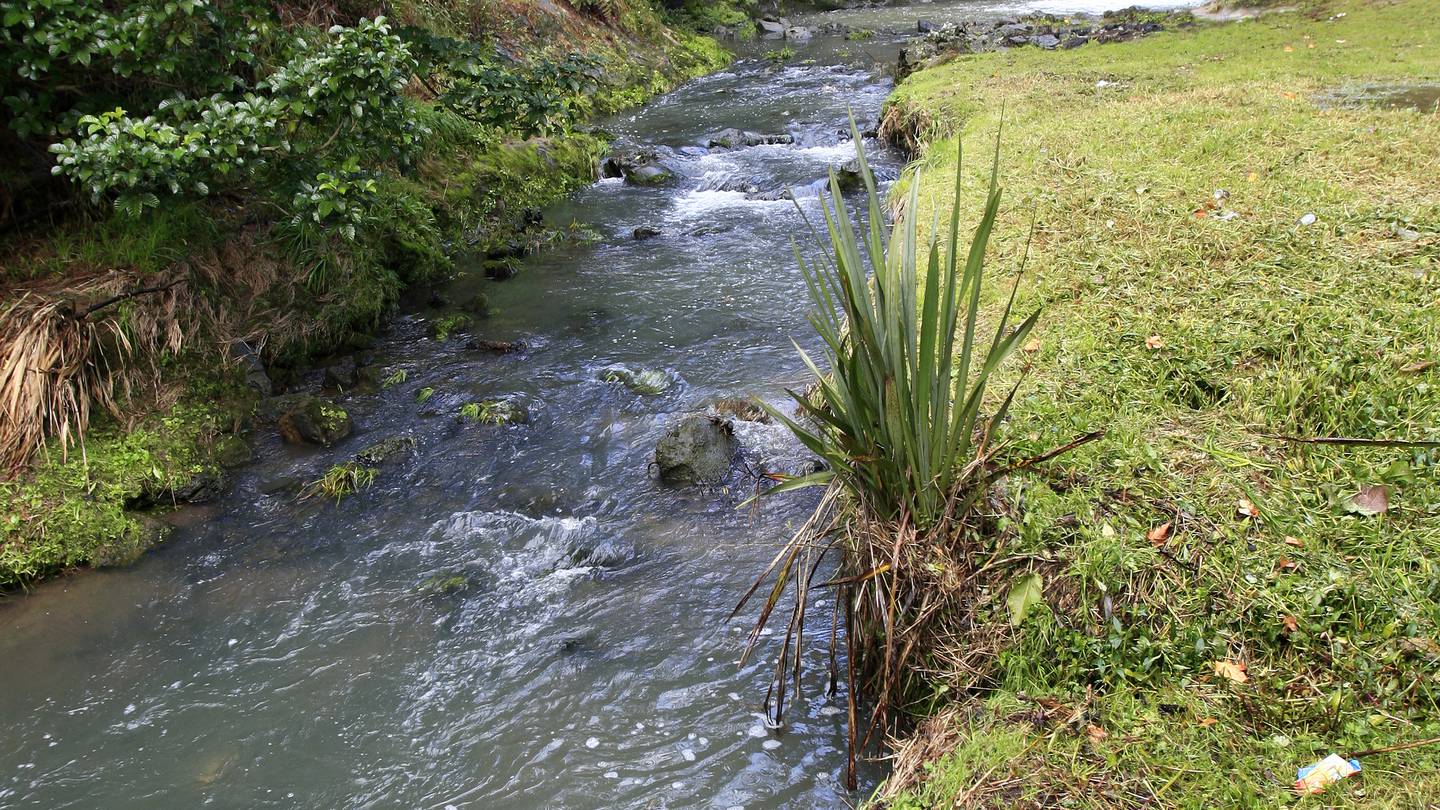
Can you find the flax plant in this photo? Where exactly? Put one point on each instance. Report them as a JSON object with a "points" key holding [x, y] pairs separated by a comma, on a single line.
{"points": [[897, 417]]}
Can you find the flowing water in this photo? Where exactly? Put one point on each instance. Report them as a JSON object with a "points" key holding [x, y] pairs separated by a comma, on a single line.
{"points": [[285, 653]]}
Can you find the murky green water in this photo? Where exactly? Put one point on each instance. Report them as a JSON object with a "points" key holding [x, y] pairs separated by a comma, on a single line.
{"points": [[277, 653]]}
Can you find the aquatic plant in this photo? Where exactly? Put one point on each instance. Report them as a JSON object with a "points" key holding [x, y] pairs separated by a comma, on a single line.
{"points": [[897, 419], [341, 480]]}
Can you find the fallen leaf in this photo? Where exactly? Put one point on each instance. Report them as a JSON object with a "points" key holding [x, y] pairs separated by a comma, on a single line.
{"points": [[1252, 177], [1417, 367], [1289, 49], [1207, 722], [1291, 625], [1032, 347], [1154, 343], [1370, 500], [1294, 541], [1200, 213], [1025, 593], [1420, 644], [1159, 534], [1288, 94], [1231, 670], [1246, 509], [1095, 733], [1286, 564]]}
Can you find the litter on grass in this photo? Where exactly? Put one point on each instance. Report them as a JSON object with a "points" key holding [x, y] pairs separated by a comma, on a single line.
{"points": [[1315, 778]]}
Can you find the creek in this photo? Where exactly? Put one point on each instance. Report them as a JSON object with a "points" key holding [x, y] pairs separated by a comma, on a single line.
{"points": [[277, 652]]}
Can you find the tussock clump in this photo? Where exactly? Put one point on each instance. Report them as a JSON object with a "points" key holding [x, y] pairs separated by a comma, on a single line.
{"points": [[66, 352], [905, 523]]}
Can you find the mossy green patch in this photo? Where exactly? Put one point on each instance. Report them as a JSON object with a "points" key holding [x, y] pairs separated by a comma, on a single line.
{"points": [[1221, 260], [69, 512]]}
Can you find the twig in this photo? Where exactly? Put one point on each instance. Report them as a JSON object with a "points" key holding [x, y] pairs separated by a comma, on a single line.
{"points": [[1350, 442], [115, 299], [1389, 748]]}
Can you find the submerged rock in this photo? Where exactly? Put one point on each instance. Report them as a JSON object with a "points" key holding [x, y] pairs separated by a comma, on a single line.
{"points": [[386, 450], [314, 420], [645, 381], [496, 346], [731, 138], [645, 232], [651, 174], [696, 449], [441, 584], [739, 408]]}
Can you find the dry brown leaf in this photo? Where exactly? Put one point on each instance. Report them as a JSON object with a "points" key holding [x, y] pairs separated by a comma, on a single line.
{"points": [[1154, 343], [1095, 733], [1286, 564], [1289, 49], [1159, 534], [1292, 625], [1417, 367], [1233, 671], [1032, 346], [1207, 722], [1294, 541], [1245, 508]]}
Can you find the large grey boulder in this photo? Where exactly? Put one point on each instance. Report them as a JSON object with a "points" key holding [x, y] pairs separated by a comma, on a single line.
{"points": [[696, 449]]}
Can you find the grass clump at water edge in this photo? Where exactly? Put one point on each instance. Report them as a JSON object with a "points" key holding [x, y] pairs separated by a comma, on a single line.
{"points": [[910, 457]]}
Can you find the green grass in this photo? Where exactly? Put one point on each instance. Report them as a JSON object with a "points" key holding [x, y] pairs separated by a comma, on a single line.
{"points": [[342, 480], [1261, 326]]}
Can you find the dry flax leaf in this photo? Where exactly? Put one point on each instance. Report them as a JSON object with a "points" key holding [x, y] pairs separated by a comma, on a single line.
{"points": [[1032, 346], [1417, 367], [1095, 733], [1294, 541], [1233, 671], [1158, 535], [1206, 722]]}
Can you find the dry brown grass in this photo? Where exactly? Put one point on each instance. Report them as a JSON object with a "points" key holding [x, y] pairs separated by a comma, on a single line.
{"points": [[74, 346], [66, 352]]}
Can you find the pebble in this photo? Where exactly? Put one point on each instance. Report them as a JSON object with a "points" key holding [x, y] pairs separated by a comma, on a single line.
{"points": [[688, 755], [770, 745], [1308, 219], [592, 743]]}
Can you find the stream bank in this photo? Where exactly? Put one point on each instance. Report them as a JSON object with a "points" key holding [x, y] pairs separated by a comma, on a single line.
{"points": [[1223, 254], [219, 306]]}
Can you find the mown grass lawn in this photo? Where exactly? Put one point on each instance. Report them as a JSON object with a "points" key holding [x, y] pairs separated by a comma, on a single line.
{"points": [[1193, 310]]}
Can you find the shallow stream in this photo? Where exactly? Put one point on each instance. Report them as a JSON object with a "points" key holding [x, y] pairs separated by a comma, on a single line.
{"points": [[285, 653]]}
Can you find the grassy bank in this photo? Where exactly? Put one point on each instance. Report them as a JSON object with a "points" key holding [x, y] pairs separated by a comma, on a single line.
{"points": [[1222, 257], [459, 120]]}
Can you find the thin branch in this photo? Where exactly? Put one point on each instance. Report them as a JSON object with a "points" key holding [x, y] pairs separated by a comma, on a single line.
{"points": [[125, 296], [1345, 442]]}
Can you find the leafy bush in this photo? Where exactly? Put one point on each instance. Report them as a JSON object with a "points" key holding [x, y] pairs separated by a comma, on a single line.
{"points": [[541, 98], [326, 107]]}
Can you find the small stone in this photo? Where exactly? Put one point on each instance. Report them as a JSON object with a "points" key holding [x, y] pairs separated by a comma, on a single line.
{"points": [[592, 743]]}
